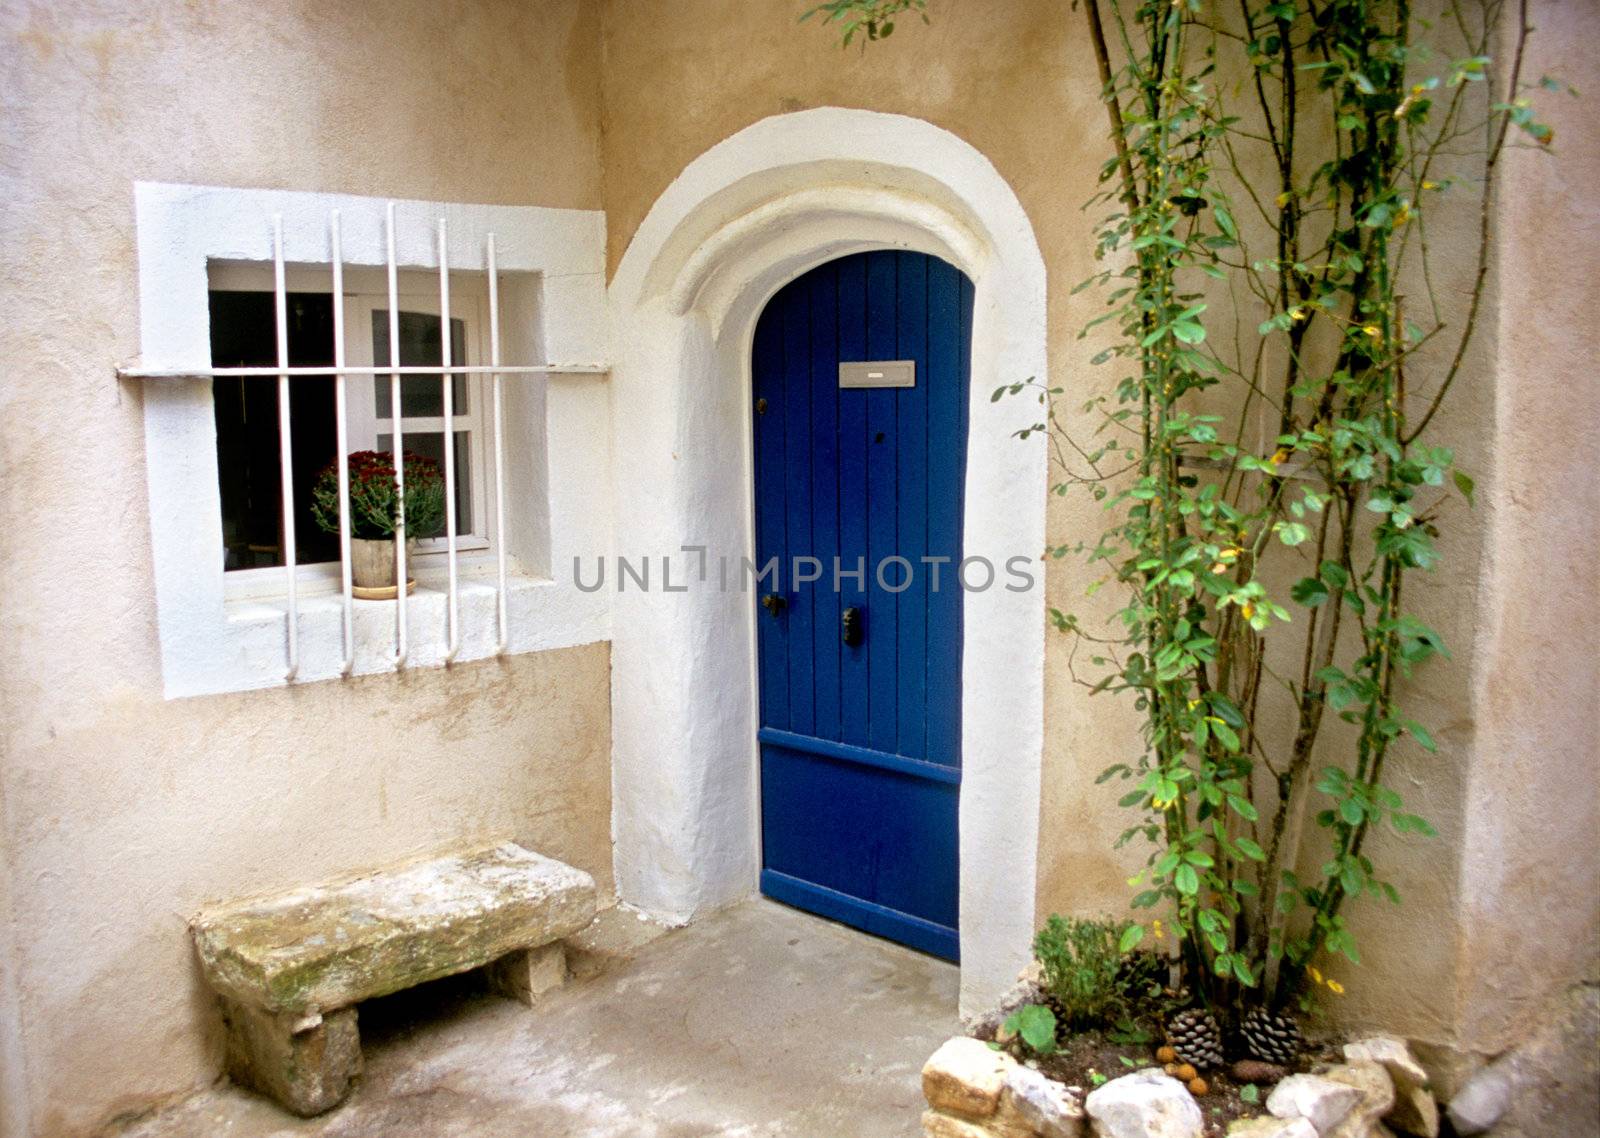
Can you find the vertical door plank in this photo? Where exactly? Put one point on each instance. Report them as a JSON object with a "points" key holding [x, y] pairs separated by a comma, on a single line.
{"points": [[882, 624], [824, 379], [911, 455], [854, 664], [797, 482], [767, 358], [946, 445]]}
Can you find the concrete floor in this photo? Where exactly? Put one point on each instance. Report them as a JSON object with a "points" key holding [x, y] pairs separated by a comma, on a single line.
{"points": [[757, 1021]]}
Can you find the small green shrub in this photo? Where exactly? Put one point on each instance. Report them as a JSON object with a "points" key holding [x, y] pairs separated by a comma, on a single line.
{"points": [[1083, 969]]}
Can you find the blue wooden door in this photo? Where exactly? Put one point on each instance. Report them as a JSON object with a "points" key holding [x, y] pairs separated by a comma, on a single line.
{"points": [[860, 731]]}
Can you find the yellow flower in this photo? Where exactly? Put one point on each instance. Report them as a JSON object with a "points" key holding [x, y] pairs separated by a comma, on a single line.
{"points": [[1155, 927], [1430, 185], [1373, 330], [1335, 987], [1278, 456], [1314, 974]]}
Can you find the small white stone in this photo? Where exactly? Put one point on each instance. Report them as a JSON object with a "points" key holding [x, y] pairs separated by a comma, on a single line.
{"points": [[1393, 1054], [965, 1076], [1414, 1110], [1323, 1102], [1147, 1104], [1377, 1098], [1042, 1104], [1483, 1101]]}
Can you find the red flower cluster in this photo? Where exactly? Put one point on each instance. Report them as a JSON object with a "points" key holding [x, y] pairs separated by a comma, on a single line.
{"points": [[374, 497], [378, 465]]}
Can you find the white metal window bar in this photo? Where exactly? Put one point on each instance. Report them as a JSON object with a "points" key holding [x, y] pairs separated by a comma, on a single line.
{"points": [[445, 370]]}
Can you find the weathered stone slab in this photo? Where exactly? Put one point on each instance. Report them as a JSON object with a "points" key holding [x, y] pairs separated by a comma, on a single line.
{"points": [[325, 947], [306, 1062]]}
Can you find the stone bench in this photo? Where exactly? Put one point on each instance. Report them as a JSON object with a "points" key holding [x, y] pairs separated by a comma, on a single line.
{"points": [[290, 969]]}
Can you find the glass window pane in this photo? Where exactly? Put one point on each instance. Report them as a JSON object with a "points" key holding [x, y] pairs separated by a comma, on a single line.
{"points": [[246, 413], [429, 444], [420, 395]]}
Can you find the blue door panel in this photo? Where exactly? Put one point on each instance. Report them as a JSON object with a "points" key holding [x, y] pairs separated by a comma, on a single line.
{"points": [[879, 815], [860, 744]]}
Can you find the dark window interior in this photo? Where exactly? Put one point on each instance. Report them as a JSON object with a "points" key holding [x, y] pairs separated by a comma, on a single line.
{"points": [[243, 335]]}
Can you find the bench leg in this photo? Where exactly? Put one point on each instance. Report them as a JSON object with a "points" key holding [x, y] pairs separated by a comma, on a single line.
{"points": [[306, 1062], [526, 975]]}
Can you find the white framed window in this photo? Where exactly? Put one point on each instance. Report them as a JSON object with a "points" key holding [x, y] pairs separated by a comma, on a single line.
{"points": [[242, 332], [534, 472]]}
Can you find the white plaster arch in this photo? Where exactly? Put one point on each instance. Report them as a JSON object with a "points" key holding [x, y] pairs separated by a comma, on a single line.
{"points": [[750, 214]]}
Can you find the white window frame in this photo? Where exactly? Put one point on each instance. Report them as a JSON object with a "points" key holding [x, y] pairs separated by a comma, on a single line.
{"points": [[552, 273], [365, 426], [364, 294]]}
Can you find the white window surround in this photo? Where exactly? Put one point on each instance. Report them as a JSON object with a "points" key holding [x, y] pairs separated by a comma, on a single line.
{"points": [[748, 215], [558, 468]]}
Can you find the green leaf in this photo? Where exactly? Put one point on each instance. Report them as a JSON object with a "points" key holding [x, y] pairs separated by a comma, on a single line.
{"points": [[1420, 734], [1291, 533], [1130, 937], [1250, 849], [1464, 484], [1309, 591], [1037, 1026], [1352, 811], [1186, 880]]}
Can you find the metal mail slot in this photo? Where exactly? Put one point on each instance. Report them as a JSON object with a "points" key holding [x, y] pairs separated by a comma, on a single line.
{"points": [[879, 373]]}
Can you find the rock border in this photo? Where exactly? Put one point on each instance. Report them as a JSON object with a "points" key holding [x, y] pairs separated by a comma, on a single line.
{"points": [[975, 1091]]}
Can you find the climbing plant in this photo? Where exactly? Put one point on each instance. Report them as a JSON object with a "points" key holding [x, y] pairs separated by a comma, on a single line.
{"points": [[1267, 455]]}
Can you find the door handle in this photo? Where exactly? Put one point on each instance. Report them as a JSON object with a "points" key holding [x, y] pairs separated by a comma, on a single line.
{"points": [[773, 603], [850, 630]]}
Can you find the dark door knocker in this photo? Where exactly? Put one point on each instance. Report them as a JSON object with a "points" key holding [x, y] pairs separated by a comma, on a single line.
{"points": [[850, 626], [773, 603]]}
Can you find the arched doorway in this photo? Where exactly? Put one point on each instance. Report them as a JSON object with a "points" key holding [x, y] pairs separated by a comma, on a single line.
{"points": [[749, 215]]}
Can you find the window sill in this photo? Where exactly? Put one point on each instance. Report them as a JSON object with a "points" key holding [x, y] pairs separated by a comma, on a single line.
{"points": [[542, 614]]}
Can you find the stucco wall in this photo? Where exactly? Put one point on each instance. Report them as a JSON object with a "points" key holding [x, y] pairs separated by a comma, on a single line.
{"points": [[1016, 79], [1533, 804], [121, 813]]}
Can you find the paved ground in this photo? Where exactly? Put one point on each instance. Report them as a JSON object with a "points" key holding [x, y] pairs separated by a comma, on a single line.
{"points": [[759, 1021]]}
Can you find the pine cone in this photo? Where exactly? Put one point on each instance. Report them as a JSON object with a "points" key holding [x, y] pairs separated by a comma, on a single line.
{"points": [[1196, 1038], [1271, 1037]]}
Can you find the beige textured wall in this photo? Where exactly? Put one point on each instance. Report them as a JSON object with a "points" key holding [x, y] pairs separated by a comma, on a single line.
{"points": [[1534, 798], [120, 813], [1016, 79]]}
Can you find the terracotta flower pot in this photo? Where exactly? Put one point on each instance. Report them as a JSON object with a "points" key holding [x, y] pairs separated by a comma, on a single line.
{"points": [[372, 566]]}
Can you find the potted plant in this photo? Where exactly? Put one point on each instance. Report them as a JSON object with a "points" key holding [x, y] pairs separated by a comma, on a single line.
{"points": [[373, 513]]}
